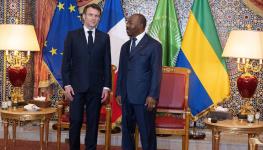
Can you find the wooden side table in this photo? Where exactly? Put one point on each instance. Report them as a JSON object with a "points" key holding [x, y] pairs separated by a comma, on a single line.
{"points": [[233, 126], [20, 114]]}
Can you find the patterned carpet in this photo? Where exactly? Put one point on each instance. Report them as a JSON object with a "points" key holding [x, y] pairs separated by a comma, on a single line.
{"points": [[34, 145]]}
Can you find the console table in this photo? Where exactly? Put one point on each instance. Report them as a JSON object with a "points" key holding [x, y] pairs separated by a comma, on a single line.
{"points": [[233, 126], [20, 114]]}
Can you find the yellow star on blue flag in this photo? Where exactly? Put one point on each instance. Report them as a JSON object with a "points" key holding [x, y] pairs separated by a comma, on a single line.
{"points": [[62, 22], [60, 6], [72, 8], [53, 51]]}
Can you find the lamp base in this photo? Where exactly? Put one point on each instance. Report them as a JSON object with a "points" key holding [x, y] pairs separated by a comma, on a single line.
{"points": [[246, 108], [247, 85], [17, 75], [17, 96]]}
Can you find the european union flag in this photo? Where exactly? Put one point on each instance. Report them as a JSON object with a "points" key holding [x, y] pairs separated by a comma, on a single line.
{"points": [[66, 18]]}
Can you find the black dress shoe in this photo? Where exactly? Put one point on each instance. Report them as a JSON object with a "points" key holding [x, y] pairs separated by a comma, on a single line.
{"points": [[55, 127], [115, 130]]}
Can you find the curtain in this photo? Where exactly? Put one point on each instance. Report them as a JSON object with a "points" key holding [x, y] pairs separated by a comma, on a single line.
{"points": [[44, 13]]}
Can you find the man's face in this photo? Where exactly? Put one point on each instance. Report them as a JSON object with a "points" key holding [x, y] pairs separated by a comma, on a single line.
{"points": [[133, 26], [91, 18]]}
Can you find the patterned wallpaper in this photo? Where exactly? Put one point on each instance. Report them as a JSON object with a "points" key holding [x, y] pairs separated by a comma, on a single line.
{"points": [[228, 15]]}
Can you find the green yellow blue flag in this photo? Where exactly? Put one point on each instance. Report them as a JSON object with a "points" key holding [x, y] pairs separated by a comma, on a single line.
{"points": [[201, 52], [165, 29]]}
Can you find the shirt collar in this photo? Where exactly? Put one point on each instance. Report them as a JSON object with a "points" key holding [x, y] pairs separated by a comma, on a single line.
{"points": [[139, 37], [86, 29]]}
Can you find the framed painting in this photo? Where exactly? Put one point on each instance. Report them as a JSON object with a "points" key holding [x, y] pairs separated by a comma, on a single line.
{"points": [[255, 5], [83, 3]]}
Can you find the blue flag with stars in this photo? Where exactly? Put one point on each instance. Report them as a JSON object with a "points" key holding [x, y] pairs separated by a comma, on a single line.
{"points": [[66, 18]]}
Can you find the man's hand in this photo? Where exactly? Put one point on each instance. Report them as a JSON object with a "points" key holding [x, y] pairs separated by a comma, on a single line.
{"points": [[118, 100], [69, 92], [150, 103], [105, 96]]}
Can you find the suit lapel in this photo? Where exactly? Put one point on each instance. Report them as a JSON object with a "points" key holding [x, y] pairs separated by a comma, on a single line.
{"points": [[97, 38], [139, 46], [83, 38], [128, 48]]}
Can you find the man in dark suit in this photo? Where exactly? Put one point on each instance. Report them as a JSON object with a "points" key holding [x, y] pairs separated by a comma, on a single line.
{"points": [[86, 74], [138, 84]]}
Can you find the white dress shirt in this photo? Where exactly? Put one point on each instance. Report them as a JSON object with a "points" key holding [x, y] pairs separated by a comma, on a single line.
{"points": [[87, 34], [139, 38]]}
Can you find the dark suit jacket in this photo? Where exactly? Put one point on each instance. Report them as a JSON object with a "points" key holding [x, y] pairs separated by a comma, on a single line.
{"points": [[139, 73], [86, 68]]}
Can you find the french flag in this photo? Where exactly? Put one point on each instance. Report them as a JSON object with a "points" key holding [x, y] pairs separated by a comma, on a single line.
{"points": [[113, 22]]}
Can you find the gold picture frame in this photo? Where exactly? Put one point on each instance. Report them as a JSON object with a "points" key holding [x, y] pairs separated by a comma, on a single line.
{"points": [[255, 5], [83, 3]]}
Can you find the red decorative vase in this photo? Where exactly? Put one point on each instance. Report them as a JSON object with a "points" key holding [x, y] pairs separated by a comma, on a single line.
{"points": [[247, 85], [17, 75]]}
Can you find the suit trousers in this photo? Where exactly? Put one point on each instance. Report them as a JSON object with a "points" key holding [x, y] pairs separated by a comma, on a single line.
{"points": [[91, 102], [138, 113]]}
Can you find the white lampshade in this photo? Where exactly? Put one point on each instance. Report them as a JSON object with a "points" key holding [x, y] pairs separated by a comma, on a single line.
{"points": [[244, 44], [18, 37]]}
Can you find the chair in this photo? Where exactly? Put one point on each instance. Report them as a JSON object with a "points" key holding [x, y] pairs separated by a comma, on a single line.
{"points": [[254, 142], [104, 123], [173, 100]]}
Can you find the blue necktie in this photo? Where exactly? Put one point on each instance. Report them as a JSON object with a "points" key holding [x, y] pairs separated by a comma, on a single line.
{"points": [[133, 44], [90, 39]]}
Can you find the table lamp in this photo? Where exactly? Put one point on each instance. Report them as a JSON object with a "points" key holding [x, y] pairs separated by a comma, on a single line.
{"points": [[246, 45], [17, 40]]}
